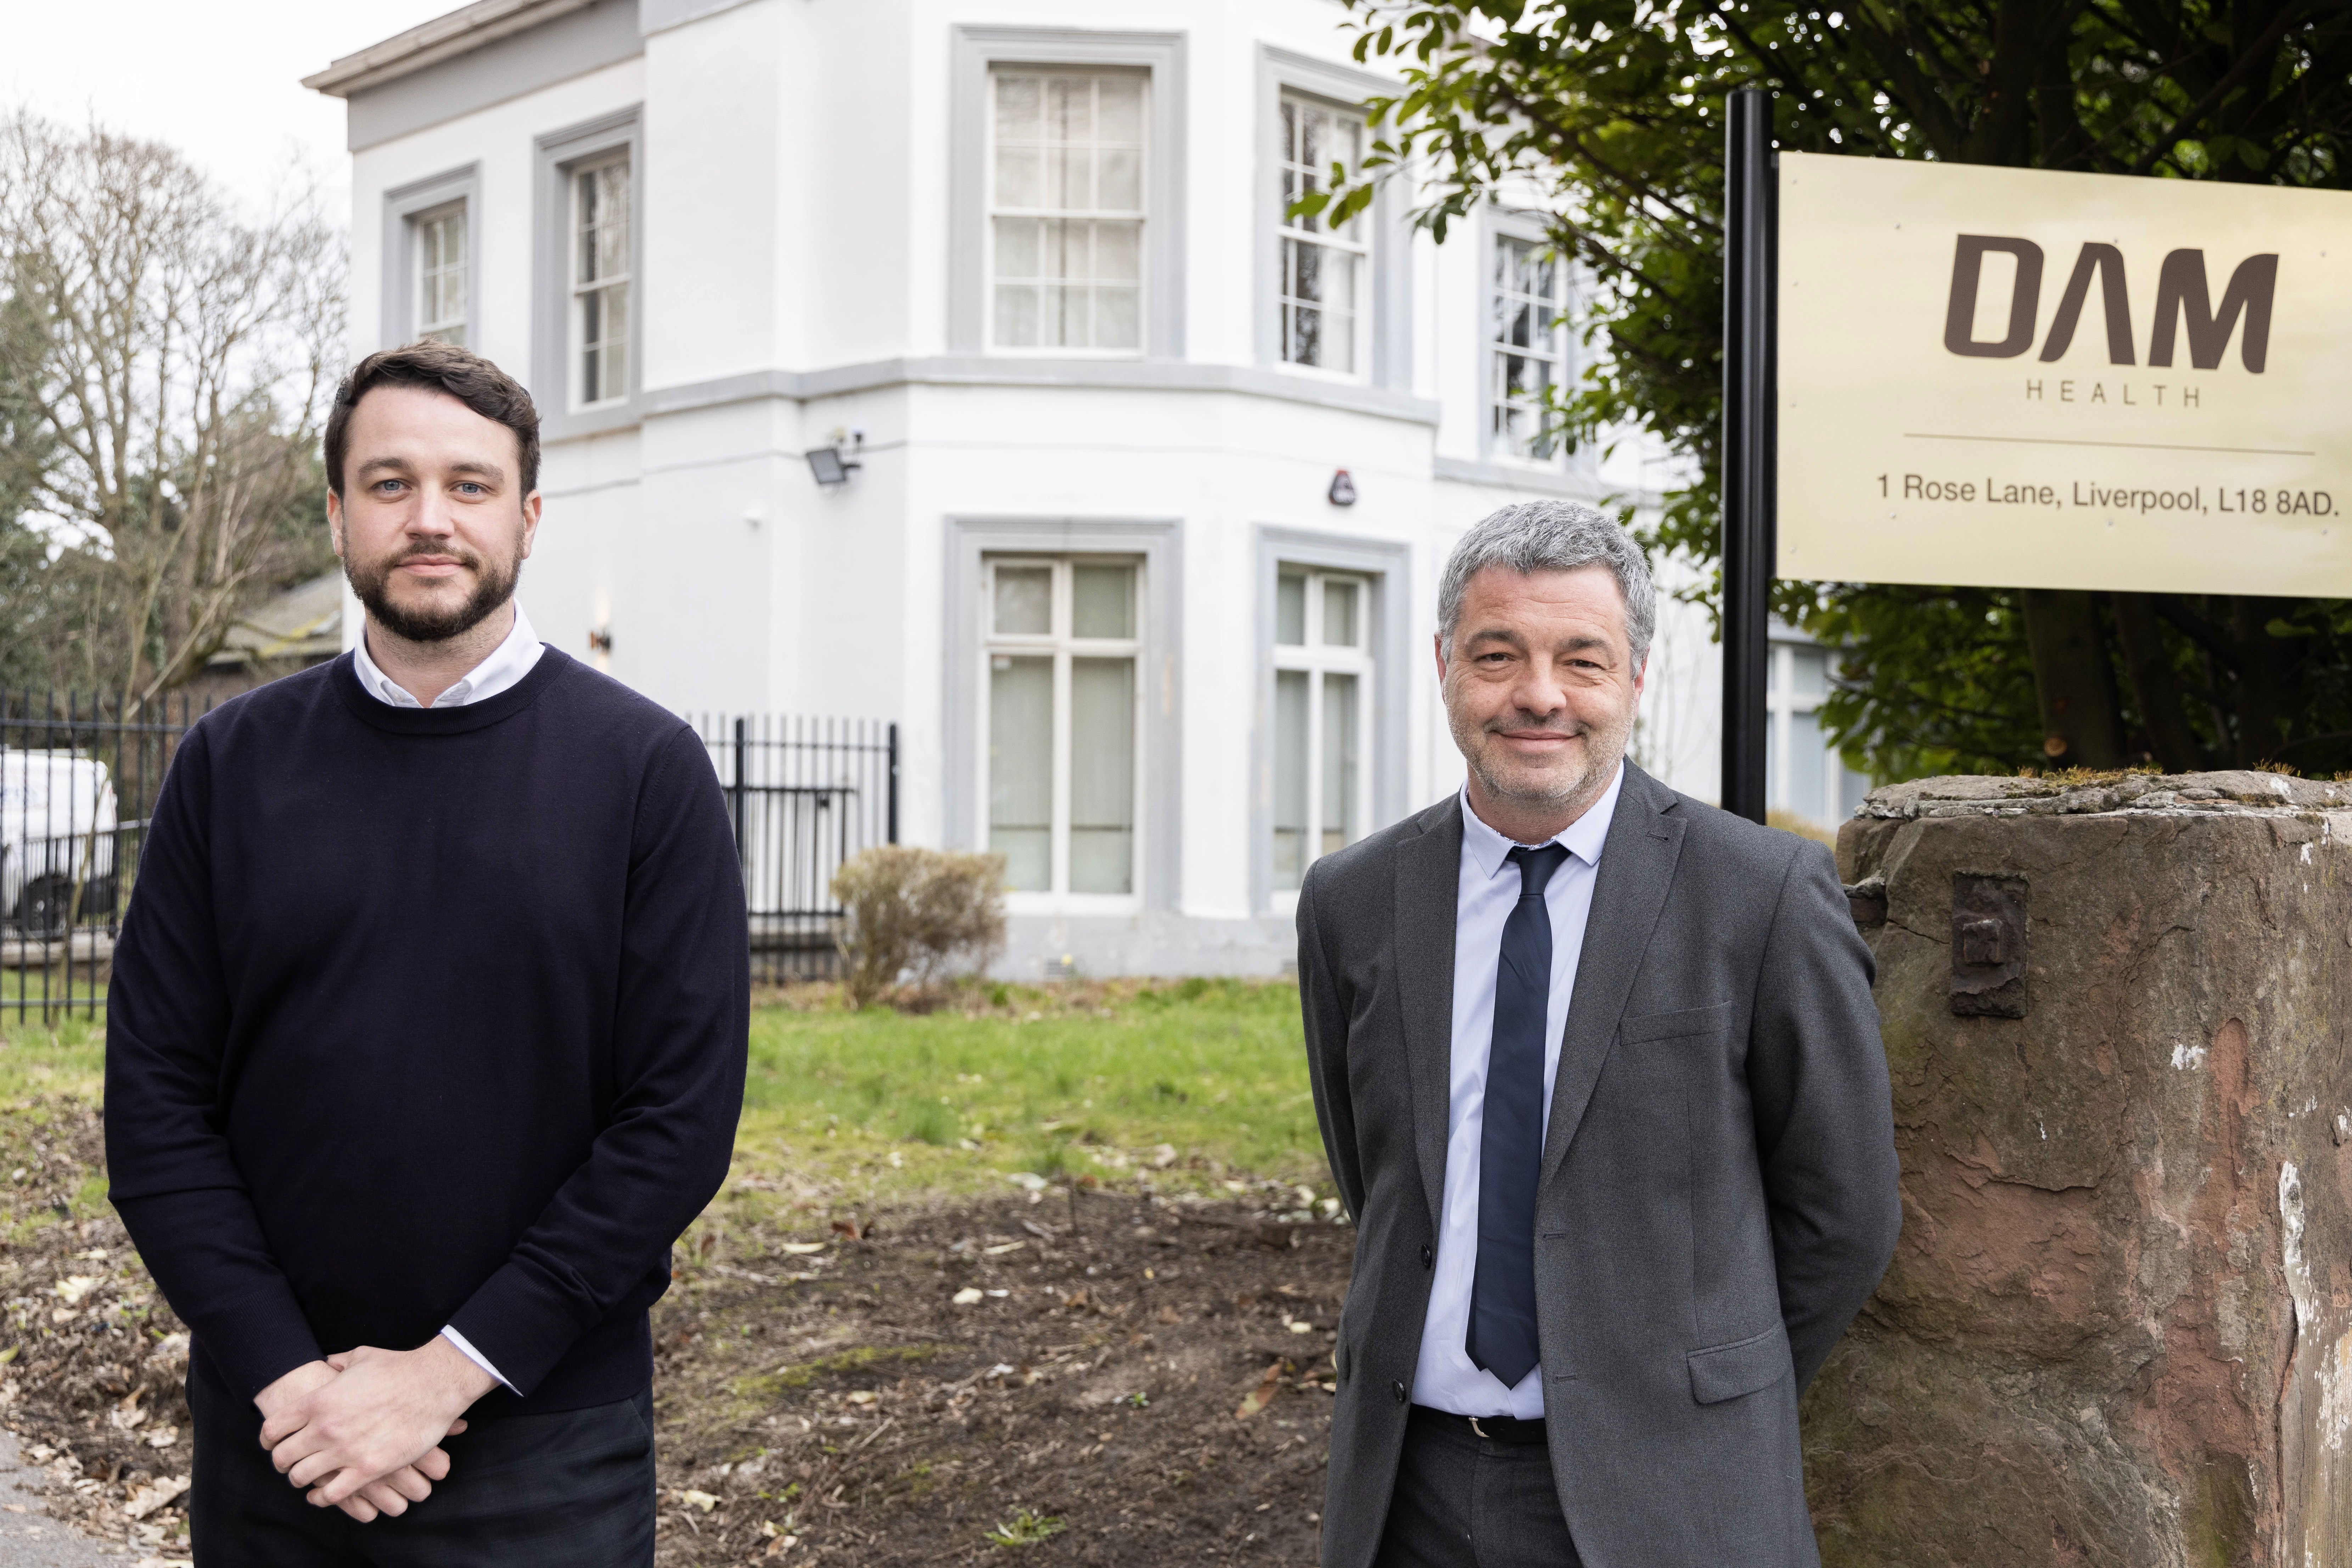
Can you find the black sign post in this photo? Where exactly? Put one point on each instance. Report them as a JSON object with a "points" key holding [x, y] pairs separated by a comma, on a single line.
{"points": [[1750, 246]]}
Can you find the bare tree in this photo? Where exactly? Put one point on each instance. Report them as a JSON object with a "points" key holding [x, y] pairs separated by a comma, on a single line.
{"points": [[179, 356]]}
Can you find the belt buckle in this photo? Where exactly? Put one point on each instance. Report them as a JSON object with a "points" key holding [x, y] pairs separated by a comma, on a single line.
{"points": [[1480, 1430]]}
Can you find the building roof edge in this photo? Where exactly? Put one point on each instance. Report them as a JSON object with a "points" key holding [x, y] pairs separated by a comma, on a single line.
{"points": [[461, 32]]}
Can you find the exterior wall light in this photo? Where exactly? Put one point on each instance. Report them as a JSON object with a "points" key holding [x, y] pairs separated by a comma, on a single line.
{"points": [[1343, 489], [834, 464]]}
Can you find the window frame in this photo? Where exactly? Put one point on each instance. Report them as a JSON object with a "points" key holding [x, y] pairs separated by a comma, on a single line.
{"points": [[617, 135], [1061, 643], [1506, 227], [1356, 246], [1141, 217], [1156, 545], [1317, 658], [405, 207], [576, 345], [1385, 567], [1385, 301], [420, 225], [976, 52]]}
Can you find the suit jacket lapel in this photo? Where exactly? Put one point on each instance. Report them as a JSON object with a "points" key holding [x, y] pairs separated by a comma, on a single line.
{"points": [[1428, 884], [1637, 864]]}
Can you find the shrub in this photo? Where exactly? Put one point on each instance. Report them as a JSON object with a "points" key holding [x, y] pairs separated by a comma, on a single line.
{"points": [[921, 910]]}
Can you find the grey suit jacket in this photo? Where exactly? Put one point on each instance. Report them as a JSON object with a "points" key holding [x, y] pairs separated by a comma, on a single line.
{"points": [[1718, 1189]]}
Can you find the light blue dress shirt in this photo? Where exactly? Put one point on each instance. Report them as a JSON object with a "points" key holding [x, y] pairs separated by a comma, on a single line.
{"points": [[1445, 1377]]}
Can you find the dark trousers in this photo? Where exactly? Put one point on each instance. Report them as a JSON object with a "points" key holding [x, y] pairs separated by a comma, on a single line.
{"points": [[1466, 1502], [573, 1489]]}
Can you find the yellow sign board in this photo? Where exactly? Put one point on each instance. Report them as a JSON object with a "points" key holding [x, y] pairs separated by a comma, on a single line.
{"points": [[2016, 378]]}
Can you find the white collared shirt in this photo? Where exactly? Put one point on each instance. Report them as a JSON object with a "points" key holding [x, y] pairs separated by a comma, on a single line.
{"points": [[509, 663], [1444, 1378]]}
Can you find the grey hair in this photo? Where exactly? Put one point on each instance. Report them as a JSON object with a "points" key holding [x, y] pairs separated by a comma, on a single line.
{"points": [[1552, 536]]}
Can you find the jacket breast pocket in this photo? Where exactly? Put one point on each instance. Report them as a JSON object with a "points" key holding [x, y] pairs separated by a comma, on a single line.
{"points": [[1676, 1024], [1726, 1372]]}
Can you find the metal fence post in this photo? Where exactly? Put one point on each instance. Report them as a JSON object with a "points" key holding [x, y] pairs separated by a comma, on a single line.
{"points": [[49, 831], [735, 805], [893, 836], [1750, 191]]}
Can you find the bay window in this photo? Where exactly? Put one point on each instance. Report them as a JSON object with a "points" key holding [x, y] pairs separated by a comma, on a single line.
{"points": [[1322, 691], [438, 244], [601, 259], [1066, 209], [1324, 285], [1527, 348], [1062, 643]]}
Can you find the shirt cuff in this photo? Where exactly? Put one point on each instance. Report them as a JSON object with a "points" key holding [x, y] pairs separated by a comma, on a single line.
{"points": [[466, 1350]]}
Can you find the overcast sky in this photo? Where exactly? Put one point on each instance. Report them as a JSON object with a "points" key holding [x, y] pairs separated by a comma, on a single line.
{"points": [[223, 82]]}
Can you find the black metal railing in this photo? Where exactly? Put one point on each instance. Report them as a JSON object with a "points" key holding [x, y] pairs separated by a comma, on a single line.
{"points": [[805, 794], [78, 783]]}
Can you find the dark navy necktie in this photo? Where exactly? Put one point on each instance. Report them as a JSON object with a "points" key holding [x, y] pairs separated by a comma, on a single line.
{"points": [[1502, 1337]]}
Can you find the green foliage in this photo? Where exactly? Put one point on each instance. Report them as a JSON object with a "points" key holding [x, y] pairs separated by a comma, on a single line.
{"points": [[1026, 1528], [1613, 109], [1936, 681]]}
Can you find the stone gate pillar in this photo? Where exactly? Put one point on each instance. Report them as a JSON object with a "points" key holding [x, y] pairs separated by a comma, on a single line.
{"points": [[2118, 1327]]}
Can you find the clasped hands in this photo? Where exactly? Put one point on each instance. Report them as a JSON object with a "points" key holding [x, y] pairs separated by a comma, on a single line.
{"points": [[361, 1430]]}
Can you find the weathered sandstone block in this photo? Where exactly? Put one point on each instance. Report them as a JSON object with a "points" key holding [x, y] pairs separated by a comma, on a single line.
{"points": [[2119, 1328]]}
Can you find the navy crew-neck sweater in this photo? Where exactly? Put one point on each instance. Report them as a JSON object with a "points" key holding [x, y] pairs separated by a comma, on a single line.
{"points": [[427, 1017]]}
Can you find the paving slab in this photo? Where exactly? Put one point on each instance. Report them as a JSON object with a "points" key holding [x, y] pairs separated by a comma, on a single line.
{"points": [[31, 1538]]}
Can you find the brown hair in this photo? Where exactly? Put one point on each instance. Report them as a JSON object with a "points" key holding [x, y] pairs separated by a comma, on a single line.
{"points": [[444, 367]]}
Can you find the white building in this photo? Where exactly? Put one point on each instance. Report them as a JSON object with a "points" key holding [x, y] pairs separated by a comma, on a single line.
{"points": [[1027, 261]]}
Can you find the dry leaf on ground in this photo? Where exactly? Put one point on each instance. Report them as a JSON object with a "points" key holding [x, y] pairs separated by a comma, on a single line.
{"points": [[1258, 1398]]}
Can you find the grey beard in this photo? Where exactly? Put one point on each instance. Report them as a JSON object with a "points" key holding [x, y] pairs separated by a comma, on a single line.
{"points": [[1553, 790]]}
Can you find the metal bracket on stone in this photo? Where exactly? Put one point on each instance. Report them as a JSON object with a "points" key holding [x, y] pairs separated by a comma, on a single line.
{"points": [[1867, 901], [1987, 946]]}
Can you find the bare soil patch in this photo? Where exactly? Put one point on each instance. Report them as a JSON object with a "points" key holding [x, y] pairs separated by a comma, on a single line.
{"points": [[822, 1395], [1085, 1409]]}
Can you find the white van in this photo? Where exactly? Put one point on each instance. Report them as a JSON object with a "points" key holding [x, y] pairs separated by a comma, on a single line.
{"points": [[56, 826]]}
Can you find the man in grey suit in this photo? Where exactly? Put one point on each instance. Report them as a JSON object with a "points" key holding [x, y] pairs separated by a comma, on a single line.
{"points": [[1599, 1077]]}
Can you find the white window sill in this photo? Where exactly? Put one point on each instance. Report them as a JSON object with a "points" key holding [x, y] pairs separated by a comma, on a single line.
{"points": [[1316, 372], [1114, 905], [1098, 356], [1527, 465]]}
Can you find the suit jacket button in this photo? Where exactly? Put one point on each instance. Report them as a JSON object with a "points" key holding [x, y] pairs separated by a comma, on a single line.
{"points": [[1399, 1387], [1427, 1257]]}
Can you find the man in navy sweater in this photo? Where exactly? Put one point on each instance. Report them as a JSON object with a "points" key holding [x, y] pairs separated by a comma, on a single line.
{"points": [[426, 1038]]}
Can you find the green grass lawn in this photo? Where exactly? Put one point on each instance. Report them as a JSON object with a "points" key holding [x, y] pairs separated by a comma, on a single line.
{"points": [[1190, 1082], [66, 1056], [1187, 1084]]}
